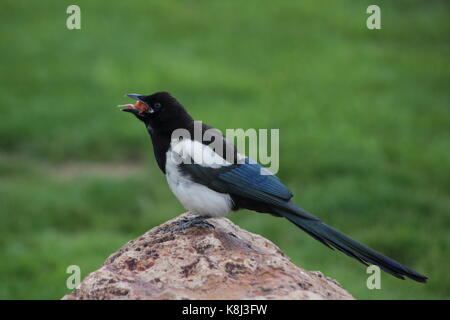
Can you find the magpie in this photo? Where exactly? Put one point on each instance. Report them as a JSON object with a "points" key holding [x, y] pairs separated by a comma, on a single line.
{"points": [[212, 182]]}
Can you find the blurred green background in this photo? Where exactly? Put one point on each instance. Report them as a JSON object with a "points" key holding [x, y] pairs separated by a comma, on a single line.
{"points": [[363, 117]]}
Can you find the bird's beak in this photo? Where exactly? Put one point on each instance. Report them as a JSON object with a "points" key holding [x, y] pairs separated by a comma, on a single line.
{"points": [[138, 108]]}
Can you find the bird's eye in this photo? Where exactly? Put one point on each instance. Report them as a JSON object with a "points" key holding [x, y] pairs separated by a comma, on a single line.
{"points": [[157, 105]]}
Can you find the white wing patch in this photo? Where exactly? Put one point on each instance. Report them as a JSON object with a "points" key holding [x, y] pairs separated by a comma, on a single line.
{"points": [[192, 151]]}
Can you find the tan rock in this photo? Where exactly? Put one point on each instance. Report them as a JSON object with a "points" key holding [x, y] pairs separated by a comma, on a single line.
{"points": [[204, 263]]}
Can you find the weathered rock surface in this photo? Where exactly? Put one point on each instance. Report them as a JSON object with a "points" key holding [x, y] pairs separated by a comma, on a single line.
{"points": [[204, 263]]}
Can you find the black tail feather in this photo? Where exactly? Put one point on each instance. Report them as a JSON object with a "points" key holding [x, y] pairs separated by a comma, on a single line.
{"points": [[335, 239]]}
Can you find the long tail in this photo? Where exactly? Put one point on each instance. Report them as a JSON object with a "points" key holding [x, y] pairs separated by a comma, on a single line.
{"points": [[335, 239]]}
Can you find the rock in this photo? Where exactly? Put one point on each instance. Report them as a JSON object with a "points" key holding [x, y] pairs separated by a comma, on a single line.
{"points": [[204, 263]]}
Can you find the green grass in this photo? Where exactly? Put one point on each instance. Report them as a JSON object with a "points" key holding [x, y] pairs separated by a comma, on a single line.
{"points": [[363, 118]]}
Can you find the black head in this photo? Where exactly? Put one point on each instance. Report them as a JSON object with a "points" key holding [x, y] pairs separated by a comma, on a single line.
{"points": [[160, 111]]}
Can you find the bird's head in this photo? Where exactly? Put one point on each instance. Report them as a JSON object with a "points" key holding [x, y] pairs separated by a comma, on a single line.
{"points": [[158, 110]]}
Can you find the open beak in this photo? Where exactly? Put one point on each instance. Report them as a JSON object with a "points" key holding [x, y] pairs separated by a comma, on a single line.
{"points": [[138, 108]]}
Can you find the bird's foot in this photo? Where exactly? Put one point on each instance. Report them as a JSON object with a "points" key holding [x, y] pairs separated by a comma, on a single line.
{"points": [[198, 221]]}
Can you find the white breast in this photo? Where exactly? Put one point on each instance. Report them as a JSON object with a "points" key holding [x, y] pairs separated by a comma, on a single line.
{"points": [[195, 197]]}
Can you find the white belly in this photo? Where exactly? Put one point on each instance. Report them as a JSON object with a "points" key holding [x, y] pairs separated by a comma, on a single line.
{"points": [[195, 197]]}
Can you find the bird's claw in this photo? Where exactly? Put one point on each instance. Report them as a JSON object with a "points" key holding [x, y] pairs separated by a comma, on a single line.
{"points": [[187, 223]]}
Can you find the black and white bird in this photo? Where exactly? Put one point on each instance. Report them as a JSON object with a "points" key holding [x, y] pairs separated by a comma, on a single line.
{"points": [[210, 183]]}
